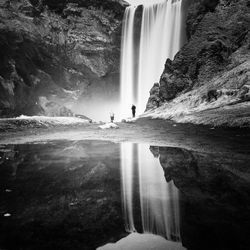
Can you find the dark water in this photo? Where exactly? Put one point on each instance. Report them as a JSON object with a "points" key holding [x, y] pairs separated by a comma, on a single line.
{"points": [[85, 194]]}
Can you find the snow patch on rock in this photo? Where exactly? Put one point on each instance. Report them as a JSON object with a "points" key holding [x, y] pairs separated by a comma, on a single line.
{"points": [[46, 120]]}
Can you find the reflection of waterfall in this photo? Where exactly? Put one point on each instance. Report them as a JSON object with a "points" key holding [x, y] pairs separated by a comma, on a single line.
{"points": [[159, 200], [127, 185], [160, 37]]}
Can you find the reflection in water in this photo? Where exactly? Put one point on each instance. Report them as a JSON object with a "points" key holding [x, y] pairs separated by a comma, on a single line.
{"points": [[66, 195], [127, 185], [159, 200], [135, 241]]}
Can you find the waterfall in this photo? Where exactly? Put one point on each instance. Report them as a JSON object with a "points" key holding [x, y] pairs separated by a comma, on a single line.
{"points": [[160, 38], [127, 97], [145, 47]]}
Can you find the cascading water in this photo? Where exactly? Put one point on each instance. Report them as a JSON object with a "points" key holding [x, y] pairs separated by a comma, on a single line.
{"points": [[160, 38], [127, 97], [141, 66]]}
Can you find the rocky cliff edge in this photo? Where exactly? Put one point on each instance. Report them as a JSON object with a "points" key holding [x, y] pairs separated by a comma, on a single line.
{"points": [[208, 82]]}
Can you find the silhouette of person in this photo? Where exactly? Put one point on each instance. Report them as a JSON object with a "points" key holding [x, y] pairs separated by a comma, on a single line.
{"points": [[133, 110], [112, 117]]}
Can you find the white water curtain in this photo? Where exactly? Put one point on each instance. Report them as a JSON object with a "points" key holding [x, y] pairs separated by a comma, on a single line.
{"points": [[160, 38]]}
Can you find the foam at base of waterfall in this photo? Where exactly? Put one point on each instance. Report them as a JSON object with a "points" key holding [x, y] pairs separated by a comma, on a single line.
{"points": [[137, 241]]}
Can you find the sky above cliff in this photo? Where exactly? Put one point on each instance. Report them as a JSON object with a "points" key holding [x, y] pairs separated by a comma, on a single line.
{"points": [[137, 2]]}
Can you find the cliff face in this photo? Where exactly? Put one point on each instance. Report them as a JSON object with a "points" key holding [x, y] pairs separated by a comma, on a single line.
{"points": [[209, 79], [52, 51]]}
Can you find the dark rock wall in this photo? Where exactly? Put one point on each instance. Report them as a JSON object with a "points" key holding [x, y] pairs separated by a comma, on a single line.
{"points": [[217, 41], [55, 50]]}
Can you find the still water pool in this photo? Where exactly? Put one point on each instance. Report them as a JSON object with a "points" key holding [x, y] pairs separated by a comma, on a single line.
{"points": [[103, 195]]}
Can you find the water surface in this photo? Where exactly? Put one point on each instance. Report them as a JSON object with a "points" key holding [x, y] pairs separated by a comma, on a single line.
{"points": [[97, 194]]}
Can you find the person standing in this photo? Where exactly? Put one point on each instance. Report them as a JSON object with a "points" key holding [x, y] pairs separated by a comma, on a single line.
{"points": [[112, 117], [133, 110]]}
